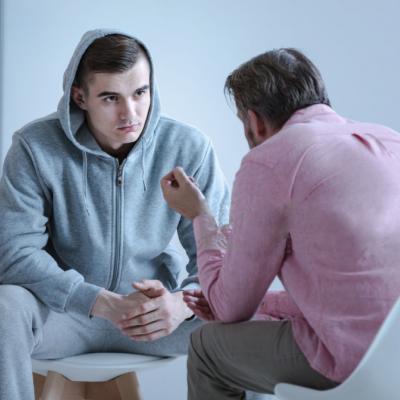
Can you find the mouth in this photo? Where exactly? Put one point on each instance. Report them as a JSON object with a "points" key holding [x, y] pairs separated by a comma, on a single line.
{"points": [[129, 128]]}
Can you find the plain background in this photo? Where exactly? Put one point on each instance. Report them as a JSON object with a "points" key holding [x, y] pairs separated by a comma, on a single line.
{"points": [[195, 45]]}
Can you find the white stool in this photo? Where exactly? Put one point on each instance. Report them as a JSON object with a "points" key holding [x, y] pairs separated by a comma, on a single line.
{"points": [[97, 376]]}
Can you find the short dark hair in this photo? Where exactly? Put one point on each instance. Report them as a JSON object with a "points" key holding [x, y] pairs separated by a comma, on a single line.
{"points": [[275, 84], [111, 53]]}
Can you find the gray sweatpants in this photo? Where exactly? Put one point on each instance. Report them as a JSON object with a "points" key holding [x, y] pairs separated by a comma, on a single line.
{"points": [[27, 327], [226, 359]]}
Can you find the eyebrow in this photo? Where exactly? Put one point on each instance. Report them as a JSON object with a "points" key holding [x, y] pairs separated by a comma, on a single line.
{"points": [[144, 87], [105, 93]]}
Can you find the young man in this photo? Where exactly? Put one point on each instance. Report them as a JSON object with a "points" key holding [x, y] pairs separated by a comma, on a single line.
{"points": [[83, 218], [315, 202]]}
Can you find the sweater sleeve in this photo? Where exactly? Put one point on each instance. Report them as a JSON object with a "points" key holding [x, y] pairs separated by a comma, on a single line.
{"points": [[25, 209], [278, 304], [236, 269]]}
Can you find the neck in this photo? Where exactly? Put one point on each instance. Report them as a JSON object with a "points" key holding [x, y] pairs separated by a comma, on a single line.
{"points": [[122, 152]]}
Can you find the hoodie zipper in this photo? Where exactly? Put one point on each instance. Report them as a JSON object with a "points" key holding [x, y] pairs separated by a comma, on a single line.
{"points": [[118, 225]]}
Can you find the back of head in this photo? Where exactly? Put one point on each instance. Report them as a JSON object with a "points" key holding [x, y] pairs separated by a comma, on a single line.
{"points": [[113, 53], [275, 84]]}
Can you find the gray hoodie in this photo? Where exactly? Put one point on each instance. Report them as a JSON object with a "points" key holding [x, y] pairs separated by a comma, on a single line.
{"points": [[73, 220]]}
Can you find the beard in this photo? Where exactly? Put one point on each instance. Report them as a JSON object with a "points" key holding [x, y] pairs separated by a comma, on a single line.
{"points": [[251, 140]]}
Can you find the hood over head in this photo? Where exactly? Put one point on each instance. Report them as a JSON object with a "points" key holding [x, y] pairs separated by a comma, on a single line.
{"points": [[72, 117]]}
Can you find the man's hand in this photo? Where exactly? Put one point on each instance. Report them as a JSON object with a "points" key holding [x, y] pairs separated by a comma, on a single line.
{"points": [[114, 307], [196, 301], [182, 194], [157, 317]]}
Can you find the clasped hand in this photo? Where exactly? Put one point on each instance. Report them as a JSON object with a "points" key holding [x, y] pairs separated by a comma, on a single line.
{"points": [[152, 311], [145, 315]]}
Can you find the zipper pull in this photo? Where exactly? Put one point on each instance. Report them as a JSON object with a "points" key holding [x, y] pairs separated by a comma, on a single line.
{"points": [[119, 175]]}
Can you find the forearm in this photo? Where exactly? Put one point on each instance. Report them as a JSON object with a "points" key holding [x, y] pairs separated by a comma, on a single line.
{"points": [[278, 304], [62, 291], [25, 210], [212, 243], [236, 266]]}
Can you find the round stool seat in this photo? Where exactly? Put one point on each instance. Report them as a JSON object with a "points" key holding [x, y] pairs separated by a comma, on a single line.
{"points": [[98, 367]]}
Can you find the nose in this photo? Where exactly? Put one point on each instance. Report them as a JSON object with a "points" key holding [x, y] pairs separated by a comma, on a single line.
{"points": [[127, 111]]}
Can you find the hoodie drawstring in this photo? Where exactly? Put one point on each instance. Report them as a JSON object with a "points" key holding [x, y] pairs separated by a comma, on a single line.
{"points": [[143, 166], [84, 180]]}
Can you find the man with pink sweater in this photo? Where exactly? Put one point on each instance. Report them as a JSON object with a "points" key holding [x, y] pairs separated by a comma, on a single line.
{"points": [[316, 202]]}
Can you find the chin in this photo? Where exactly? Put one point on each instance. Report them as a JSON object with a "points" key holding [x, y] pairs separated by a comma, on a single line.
{"points": [[133, 139], [130, 137]]}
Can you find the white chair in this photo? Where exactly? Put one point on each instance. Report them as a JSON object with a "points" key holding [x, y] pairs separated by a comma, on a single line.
{"points": [[108, 376], [376, 377]]}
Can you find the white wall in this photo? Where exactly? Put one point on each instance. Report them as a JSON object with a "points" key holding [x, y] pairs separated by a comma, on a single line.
{"points": [[195, 44]]}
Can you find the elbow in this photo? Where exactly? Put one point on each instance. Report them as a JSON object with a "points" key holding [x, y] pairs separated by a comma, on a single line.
{"points": [[229, 315], [226, 308]]}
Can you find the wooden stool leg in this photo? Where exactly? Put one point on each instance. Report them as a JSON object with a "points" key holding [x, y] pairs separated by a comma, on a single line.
{"points": [[38, 382], [128, 386], [102, 391], [53, 387]]}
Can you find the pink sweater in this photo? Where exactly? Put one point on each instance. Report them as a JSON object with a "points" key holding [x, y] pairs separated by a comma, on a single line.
{"points": [[331, 187]]}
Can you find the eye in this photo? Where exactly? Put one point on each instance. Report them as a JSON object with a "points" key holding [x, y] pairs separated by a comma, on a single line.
{"points": [[110, 99], [141, 92]]}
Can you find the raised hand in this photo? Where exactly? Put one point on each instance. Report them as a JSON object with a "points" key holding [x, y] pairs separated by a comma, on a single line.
{"points": [[182, 194]]}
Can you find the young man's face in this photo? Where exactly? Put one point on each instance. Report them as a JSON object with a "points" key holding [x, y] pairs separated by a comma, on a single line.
{"points": [[117, 105]]}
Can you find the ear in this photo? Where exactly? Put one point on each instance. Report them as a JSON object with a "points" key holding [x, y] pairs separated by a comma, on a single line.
{"points": [[260, 127], [78, 96], [256, 124]]}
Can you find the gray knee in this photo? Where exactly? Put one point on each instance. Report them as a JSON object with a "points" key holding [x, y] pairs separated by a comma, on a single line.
{"points": [[195, 353], [15, 304], [195, 339], [198, 337], [203, 361]]}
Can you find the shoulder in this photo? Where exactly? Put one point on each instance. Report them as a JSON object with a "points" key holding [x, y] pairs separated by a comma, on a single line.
{"points": [[46, 142], [43, 132], [178, 143], [181, 133]]}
